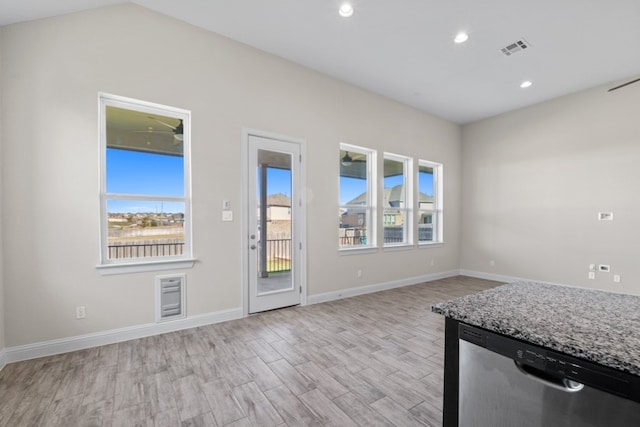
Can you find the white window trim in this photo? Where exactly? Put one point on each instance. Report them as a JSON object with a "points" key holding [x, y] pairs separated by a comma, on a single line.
{"points": [[437, 211], [134, 265], [408, 200], [147, 266], [372, 197]]}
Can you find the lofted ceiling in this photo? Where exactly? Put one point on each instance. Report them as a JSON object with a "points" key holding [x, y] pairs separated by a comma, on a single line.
{"points": [[404, 49]]}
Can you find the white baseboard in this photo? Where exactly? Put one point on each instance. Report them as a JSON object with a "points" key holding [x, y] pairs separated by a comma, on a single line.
{"points": [[64, 345], [352, 292], [508, 279], [3, 358], [491, 276]]}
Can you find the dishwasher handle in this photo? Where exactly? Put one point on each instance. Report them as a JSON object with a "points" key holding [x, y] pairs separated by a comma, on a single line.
{"points": [[559, 383]]}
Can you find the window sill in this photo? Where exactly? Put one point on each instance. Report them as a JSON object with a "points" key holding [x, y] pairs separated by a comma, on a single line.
{"points": [[400, 247], [357, 251], [145, 266], [430, 244]]}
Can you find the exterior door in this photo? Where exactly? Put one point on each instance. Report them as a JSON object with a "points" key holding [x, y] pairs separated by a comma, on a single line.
{"points": [[274, 224]]}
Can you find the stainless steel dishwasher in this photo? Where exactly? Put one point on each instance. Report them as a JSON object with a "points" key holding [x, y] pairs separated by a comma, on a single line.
{"points": [[504, 382]]}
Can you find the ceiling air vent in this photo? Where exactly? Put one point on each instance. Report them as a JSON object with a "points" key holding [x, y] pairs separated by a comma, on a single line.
{"points": [[515, 47]]}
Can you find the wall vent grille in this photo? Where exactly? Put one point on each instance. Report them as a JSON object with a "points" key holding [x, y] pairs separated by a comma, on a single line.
{"points": [[515, 47], [170, 297]]}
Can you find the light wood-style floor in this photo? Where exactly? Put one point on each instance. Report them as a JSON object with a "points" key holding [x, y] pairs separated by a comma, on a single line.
{"points": [[370, 360]]}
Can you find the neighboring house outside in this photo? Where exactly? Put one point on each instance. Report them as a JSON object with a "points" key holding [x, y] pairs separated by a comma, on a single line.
{"points": [[349, 218], [352, 223], [392, 198], [278, 233], [426, 203], [278, 207]]}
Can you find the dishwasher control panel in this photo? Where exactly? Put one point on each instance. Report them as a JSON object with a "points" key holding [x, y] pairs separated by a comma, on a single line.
{"points": [[542, 360]]}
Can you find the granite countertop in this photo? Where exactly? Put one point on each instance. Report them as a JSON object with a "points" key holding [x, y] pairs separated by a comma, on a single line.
{"points": [[602, 327]]}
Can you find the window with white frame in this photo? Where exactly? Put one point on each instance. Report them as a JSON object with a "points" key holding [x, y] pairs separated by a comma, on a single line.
{"points": [[357, 210], [397, 200], [145, 182], [429, 214]]}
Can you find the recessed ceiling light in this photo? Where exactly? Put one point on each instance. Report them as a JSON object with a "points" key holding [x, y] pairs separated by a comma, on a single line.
{"points": [[525, 84], [346, 10], [461, 37]]}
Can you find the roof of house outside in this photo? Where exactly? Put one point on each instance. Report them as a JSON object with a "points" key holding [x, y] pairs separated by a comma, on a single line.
{"points": [[391, 195], [278, 200]]}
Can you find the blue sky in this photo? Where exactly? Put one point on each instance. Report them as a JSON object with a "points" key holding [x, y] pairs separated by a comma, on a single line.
{"points": [[350, 188], [278, 181], [133, 172]]}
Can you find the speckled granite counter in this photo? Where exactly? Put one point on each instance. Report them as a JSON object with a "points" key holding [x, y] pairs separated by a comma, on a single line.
{"points": [[598, 326]]}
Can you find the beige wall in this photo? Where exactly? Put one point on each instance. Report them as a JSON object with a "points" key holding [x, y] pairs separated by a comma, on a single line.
{"points": [[535, 179], [53, 70], [2, 191]]}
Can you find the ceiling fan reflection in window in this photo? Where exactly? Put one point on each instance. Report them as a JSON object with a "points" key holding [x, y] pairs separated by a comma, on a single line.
{"points": [[347, 160], [178, 131], [353, 166]]}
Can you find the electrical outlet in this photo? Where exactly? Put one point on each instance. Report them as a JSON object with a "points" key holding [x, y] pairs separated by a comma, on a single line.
{"points": [[592, 275], [80, 312], [616, 278], [492, 263], [359, 273]]}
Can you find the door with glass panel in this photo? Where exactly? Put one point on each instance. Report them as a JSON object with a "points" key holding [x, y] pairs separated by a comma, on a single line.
{"points": [[274, 224]]}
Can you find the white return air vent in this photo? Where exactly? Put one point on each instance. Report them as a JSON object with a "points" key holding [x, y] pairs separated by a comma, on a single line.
{"points": [[515, 47], [170, 297]]}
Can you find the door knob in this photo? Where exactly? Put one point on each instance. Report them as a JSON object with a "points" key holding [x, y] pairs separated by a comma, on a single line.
{"points": [[252, 237], [253, 246]]}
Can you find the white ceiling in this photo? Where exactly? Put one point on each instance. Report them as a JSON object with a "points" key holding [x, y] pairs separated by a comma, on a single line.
{"points": [[404, 49]]}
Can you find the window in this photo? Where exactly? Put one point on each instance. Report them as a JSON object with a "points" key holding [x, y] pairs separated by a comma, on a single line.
{"points": [[145, 182], [429, 202], [357, 198], [397, 200]]}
